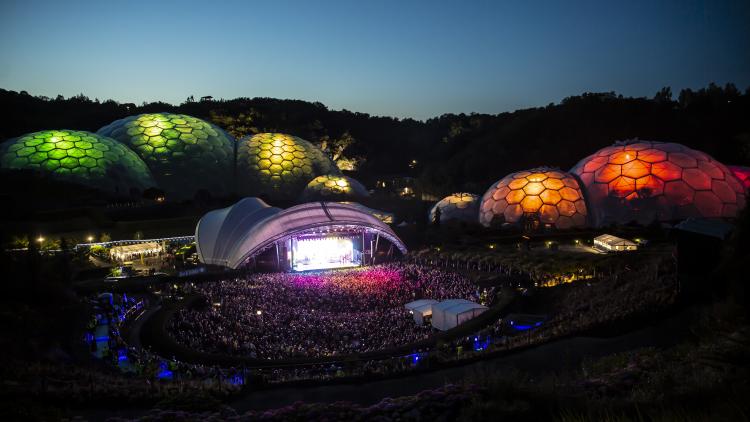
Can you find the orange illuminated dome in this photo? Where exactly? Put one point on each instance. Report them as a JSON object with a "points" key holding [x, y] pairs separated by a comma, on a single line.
{"points": [[545, 195], [743, 175], [645, 181]]}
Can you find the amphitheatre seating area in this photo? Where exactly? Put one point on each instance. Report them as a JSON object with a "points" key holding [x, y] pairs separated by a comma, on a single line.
{"points": [[331, 313]]}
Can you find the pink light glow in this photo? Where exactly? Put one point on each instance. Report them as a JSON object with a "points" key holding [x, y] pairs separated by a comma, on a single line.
{"points": [[355, 279]]}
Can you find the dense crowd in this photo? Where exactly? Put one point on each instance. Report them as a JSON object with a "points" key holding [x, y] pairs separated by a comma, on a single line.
{"points": [[145, 377], [329, 313]]}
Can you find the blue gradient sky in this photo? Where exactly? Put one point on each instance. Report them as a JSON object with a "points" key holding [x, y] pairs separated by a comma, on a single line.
{"points": [[400, 58]]}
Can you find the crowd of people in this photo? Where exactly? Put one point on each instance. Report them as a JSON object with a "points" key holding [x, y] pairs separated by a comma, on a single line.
{"points": [[310, 301], [328, 313]]}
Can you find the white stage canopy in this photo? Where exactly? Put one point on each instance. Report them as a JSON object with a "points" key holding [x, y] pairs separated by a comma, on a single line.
{"points": [[230, 236]]}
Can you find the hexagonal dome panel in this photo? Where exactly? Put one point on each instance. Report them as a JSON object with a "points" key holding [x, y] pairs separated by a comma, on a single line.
{"points": [[184, 153], [458, 206], [278, 165], [333, 187], [78, 157], [646, 181], [742, 174], [548, 195]]}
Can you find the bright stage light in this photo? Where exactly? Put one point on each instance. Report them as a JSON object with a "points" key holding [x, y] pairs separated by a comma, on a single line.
{"points": [[324, 252]]}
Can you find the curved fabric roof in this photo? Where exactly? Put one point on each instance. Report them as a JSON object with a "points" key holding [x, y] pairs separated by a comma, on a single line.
{"points": [[230, 236]]}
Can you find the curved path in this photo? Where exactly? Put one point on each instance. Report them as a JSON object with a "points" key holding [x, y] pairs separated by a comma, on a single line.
{"points": [[548, 358]]}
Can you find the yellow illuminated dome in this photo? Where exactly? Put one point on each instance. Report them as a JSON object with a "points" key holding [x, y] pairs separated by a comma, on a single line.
{"points": [[457, 206], [279, 165], [646, 181], [547, 195], [333, 187]]}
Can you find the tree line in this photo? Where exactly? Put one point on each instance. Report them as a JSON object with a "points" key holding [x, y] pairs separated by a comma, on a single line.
{"points": [[452, 152]]}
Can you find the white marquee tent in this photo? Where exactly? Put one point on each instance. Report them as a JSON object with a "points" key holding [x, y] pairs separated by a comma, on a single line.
{"points": [[453, 312], [420, 309], [609, 242], [126, 252]]}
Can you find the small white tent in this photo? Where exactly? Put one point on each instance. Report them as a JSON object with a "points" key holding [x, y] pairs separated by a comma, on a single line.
{"points": [[450, 313], [420, 309]]}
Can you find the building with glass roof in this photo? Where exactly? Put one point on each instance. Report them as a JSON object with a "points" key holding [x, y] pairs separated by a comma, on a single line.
{"points": [[185, 154], [79, 157], [333, 187], [279, 166], [644, 181], [543, 195], [457, 206]]}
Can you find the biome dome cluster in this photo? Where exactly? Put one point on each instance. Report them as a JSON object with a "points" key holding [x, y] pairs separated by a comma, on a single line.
{"points": [[457, 206], [549, 196], [278, 165], [78, 157], [333, 187], [631, 181], [184, 153], [644, 181]]}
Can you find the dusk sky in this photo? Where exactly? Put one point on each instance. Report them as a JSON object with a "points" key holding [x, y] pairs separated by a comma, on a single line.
{"points": [[396, 58]]}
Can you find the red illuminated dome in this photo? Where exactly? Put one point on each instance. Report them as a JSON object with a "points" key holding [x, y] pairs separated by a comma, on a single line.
{"points": [[541, 195], [743, 175], [646, 181]]}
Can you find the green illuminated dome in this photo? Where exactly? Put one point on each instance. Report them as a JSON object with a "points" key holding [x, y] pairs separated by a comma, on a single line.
{"points": [[279, 165], [78, 157], [185, 154], [333, 187]]}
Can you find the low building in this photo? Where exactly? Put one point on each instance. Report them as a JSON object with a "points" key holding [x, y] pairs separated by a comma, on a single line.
{"points": [[610, 243]]}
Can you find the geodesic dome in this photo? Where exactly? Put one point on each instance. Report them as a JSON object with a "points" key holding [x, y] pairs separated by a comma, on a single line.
{"points": [[78, 157], [333, 187], [279, 165], [457, 206], [743, 175], [185, 154], [550, 196], [646, 181]]}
